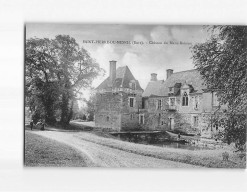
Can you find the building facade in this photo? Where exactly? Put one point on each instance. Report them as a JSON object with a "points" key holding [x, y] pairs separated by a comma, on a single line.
{"points": [[118, 100], [181, 102]]}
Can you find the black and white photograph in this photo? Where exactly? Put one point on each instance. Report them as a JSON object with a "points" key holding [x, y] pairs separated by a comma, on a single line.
{"points": [[135, 95], [123, 96]]}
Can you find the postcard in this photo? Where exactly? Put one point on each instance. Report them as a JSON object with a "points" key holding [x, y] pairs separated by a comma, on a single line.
{"points": [[135, 96]]}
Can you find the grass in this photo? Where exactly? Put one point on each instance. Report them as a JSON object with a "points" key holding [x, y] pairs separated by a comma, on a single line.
{"points": [[204, 158], [71, 127], [40, 151]]}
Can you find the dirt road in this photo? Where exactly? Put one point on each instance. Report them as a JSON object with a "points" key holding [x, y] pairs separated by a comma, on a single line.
{"points": [[98, 155]]}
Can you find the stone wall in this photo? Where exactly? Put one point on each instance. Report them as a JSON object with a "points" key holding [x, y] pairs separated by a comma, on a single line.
{"points": [[159, 119], [108, 111], [130, 115], [155, 119], [125, 106], [111, 120], [130, 122], [183, 122], [112, 110], [108, 102]]}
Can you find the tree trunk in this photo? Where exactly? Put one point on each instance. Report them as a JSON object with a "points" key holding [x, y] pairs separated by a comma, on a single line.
{"points": [[48, 113], [64, 109], [50, 116], [71, 112]]}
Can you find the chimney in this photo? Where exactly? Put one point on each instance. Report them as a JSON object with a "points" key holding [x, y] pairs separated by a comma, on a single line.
{"points": [[169, 72], [153, 77], [112, 71]]}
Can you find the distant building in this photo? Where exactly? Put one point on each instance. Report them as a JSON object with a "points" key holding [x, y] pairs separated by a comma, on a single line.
{"points": [[118, 99], [181, 102]]}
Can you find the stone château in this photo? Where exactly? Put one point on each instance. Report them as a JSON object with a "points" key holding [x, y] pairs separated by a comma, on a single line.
{"points": [[180, 102]]}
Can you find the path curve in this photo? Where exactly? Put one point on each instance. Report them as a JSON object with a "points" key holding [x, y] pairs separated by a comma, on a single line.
{"points": [[104, 156]]}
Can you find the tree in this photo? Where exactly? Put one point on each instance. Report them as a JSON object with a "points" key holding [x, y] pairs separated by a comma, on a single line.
{"points": [[84, 117], [222, 62], [41, 87], [91, 107], [56, 72], [76, 110], [77, 71]]}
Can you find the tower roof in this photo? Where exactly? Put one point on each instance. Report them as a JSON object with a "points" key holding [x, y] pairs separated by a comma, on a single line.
{"points": [[123, 78]]}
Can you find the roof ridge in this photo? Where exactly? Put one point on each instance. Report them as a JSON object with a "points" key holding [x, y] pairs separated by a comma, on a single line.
{"points": [[121, 66], [185, 71]]}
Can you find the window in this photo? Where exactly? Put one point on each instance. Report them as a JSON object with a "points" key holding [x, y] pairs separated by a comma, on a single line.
{"points": [[170, 90], [185, 99], [196, 102], [216, 126], [195, 121], [159, 117], [172, 101], [159, 105], [215, 100], [143, 103], [131, 102], [131, 116], [132, 86], [141, 118]]}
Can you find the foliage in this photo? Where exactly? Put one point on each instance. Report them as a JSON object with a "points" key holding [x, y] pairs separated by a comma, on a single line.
{"points": [[222, 62], [56, 72], [76, 110], [91, 107], [232, 127], [41, 88], [84, 117]]}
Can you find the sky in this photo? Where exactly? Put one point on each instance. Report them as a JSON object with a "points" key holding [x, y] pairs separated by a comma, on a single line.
{"points": [[142, 59]]}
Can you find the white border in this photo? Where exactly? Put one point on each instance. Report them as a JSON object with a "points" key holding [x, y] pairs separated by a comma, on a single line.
{"points": [[13, 15]]}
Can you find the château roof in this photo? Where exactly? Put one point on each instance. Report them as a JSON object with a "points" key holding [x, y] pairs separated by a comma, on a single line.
{"points": [[160, 88], [123, 78]]}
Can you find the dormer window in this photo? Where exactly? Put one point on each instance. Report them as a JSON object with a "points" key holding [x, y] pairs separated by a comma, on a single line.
{"points": [[185, 99], [132, 85], [171, 89], [172, 101]]}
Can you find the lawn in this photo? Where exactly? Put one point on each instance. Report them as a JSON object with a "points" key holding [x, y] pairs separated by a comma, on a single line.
{"points": [[204, 158], [40, 151]]}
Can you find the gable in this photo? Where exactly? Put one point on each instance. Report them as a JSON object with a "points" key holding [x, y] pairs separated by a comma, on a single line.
{"points": [[123, 78]]}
